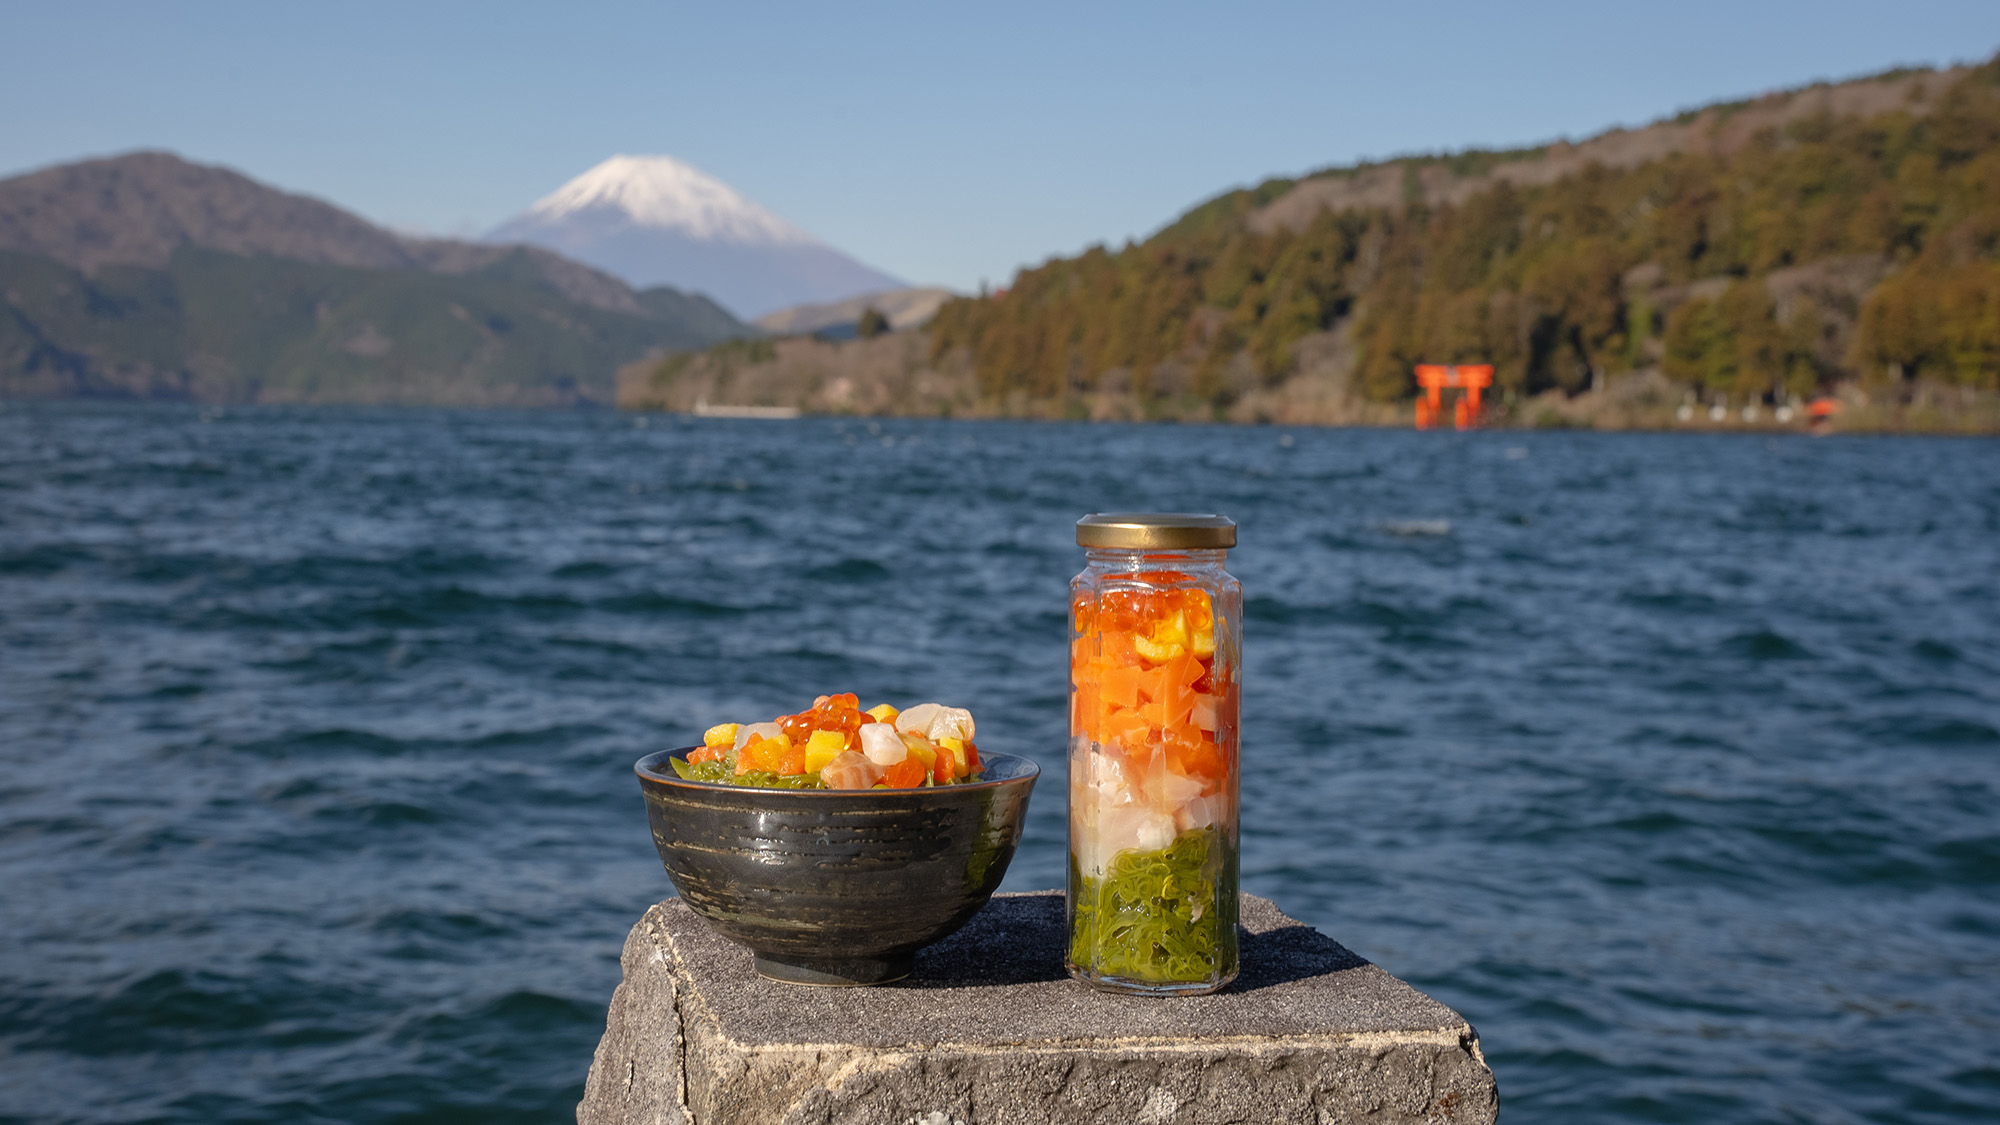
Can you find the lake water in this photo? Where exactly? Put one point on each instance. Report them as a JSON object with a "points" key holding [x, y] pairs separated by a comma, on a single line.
{"points": [[1669, 760]]}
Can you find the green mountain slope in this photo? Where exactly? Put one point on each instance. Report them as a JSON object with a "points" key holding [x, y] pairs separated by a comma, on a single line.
{"points": [[148, 276], [692, 313], [1758, 250], [216, 327]]}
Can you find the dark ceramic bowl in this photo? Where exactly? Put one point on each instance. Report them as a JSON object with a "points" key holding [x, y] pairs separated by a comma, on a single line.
{"points": [[836, 886]]}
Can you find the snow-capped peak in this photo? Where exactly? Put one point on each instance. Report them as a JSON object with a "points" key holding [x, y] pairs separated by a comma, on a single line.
{"points": [[660, 191]]}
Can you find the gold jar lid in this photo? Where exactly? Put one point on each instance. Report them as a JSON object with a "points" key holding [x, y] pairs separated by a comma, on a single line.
{"points": [[1163, 531]]}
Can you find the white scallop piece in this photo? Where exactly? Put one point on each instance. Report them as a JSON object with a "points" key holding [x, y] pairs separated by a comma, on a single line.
{"points": [[882, 745], [950, 722], [917, 720], [768, 730]]}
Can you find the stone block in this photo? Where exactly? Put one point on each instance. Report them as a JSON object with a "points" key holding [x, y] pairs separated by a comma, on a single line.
{"points": [[989, 1030]]}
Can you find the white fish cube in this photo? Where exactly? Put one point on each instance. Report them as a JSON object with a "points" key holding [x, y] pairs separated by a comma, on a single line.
{"points": [[882, 745]]}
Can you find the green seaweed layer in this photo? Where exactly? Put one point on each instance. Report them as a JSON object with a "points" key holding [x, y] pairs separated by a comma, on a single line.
{"points": [[1156, 916], [720, 771]]}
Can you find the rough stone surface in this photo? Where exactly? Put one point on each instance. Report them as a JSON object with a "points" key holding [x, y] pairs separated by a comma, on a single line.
{"points": [[991, 1031]]}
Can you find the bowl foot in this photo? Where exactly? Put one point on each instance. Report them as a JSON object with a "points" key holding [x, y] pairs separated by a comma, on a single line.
{"points": [[837, 972]]}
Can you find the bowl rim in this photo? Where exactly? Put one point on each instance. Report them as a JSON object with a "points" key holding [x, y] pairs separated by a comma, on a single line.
{"points": [[643, 768]]}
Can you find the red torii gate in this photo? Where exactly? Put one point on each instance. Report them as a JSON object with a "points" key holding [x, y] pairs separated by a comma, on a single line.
{"points": [[1435, 377]]}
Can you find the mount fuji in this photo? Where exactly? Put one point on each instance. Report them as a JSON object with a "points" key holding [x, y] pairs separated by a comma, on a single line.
{"points": [[655, 220]]}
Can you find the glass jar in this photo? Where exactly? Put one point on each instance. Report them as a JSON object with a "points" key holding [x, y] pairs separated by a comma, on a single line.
{"points": [[1155, 693]]}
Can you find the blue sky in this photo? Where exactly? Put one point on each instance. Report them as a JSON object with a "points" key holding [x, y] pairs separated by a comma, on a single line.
{"points": [[944, 143]]}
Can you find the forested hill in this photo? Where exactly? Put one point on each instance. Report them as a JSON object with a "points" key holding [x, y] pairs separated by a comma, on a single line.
{"points": [[149, 276], [1755, 249]]}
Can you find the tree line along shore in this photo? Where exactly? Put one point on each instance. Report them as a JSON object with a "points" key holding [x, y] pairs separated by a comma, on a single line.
{"points": [[1834, 242]]}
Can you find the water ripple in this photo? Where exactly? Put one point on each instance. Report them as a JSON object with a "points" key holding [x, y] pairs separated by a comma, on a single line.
{"points": [[1669, 759]]}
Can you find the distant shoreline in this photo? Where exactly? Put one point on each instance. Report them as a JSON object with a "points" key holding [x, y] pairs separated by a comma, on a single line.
{"points": [[1982, 420], [894, 375], [705, 409]]}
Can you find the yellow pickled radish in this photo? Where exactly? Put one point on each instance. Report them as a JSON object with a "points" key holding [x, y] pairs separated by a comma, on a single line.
{"points": [[761, 751], [956, 747], [822, 748], [882, 713], [1155, 652], [1202, 643], [721, 734], [921, 749]]}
